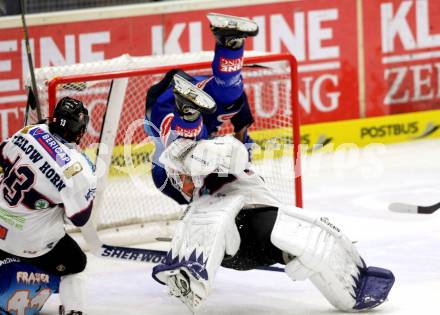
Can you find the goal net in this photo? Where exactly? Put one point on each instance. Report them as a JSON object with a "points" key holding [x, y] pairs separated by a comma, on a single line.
{"points": [[128, 207]]}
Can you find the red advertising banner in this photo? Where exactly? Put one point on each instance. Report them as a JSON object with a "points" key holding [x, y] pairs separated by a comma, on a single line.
{"points": [[314, 31], [402, 55]]}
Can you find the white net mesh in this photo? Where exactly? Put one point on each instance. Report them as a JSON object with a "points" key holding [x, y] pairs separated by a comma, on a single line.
{"points": [[129, 196]]}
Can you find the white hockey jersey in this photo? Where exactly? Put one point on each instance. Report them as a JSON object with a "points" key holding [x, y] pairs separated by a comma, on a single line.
{"points": [[44, 179]]}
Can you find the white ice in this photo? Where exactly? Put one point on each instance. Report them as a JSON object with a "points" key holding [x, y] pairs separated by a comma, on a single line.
{"points": [[354, 188]]}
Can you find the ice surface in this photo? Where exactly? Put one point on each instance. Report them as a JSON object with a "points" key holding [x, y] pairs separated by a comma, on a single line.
{"points": [[354, 188]]}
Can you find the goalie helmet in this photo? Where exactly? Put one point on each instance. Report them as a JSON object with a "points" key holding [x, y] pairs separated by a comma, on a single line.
{"points": [[69, 120]]}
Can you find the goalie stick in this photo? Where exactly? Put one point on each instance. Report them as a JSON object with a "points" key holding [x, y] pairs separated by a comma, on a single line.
{"points": [[410, 208], [128, 253], [99, 249]]}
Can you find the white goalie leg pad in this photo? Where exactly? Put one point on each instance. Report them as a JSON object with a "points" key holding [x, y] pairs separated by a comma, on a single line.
{"points": [[72, 292], [323, 254], [206, 233]]}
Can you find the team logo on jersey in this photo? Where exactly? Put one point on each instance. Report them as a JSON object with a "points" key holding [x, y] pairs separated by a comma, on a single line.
{"points": [[41, 204], [51, 146], [230, 65], [226, 117]]}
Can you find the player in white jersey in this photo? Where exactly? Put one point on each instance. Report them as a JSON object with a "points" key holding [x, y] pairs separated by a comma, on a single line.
{"points": [[234, 220], [47, 181]]}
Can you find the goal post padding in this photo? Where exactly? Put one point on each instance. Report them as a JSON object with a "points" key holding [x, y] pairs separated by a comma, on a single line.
{"points": [[115, 90]]}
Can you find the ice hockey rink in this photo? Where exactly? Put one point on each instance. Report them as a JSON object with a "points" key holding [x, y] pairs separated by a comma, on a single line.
{"points": [[354, 188]]}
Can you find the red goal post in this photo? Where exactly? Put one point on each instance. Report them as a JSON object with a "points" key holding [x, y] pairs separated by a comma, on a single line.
{"points": [[56, 83]]}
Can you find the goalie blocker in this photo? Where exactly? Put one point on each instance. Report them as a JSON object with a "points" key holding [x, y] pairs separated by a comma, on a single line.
{"points": [[211, 234]]}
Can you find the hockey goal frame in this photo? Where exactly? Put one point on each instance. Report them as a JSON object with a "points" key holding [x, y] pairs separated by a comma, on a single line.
{"points": [[56, 81]]}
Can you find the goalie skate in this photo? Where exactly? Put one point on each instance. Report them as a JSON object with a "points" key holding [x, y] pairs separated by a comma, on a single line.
{"points": [[190, 96], [179, 285], [230, 31]]}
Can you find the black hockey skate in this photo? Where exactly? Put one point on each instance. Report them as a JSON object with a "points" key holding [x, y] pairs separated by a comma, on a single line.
{"points": [[190, 100], [3, 312], [62, 311], [230, 31]]}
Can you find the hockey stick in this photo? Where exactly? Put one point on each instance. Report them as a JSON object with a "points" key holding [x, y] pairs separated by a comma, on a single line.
{"points": [[131, 254], [409, 208], [99, 249], [34, 90]]}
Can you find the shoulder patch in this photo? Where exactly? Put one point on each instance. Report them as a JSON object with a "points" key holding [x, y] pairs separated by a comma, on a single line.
{"points": [[72, 170], [26, 129]]}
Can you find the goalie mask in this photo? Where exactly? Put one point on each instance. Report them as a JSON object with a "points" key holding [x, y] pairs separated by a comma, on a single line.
{"points": [[186, 160], [70, 119]]}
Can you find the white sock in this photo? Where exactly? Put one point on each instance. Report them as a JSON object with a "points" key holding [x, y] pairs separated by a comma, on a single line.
{"points": [[72, 292]]}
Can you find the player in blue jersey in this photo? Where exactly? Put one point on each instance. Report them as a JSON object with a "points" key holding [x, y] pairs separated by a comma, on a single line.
{"points": [[181, 106]]}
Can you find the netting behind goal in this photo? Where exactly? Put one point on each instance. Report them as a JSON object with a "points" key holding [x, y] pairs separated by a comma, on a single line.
{"points": [[114, 92]]}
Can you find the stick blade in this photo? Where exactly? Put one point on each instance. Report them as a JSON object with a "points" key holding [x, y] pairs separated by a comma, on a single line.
{"points": [[402, 207]]}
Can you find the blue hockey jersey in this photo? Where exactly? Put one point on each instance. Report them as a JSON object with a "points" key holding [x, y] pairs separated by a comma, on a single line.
{"points": [[164, 125], [24, 289]]}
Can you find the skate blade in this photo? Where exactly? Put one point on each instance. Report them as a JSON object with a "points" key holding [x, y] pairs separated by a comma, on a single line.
{"points": [[233, 23], [200, 98]]}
